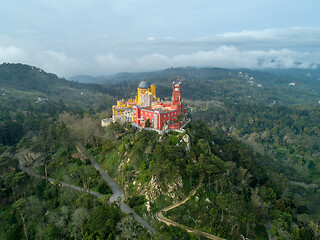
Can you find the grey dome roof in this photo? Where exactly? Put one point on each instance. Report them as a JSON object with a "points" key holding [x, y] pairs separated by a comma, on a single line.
{"points": [[144, 84]]}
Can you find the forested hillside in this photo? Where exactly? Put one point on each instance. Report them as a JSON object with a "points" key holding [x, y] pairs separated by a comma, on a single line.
{"points": [[255, 147], [34, 136]]}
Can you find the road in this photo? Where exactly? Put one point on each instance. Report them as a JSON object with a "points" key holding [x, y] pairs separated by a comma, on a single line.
{"points": [[118, 194], [118, 197], [115, 188], [63, 184], [161, 218]]}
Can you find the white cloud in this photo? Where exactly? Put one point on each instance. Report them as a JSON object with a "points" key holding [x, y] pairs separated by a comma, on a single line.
{"points": [[250, 49], [109, 63], [293, 36], [223, 56], [50, 61], [11, 54], [301, 37], [55, 62], [275, 33]]}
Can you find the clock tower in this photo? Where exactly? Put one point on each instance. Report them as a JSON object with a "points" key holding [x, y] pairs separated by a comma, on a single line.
{"points": [[176, 95]]}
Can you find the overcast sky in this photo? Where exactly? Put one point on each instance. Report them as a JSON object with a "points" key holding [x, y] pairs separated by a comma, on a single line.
{"points": [[99, 37]]}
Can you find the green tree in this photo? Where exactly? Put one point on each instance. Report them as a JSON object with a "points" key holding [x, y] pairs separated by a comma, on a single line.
{"points": [[20, 205]]}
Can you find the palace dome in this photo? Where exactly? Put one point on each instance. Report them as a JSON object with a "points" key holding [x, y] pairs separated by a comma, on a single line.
{"points": [[144, 84]]}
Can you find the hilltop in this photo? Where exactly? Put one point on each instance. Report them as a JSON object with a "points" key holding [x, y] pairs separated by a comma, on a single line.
{"points": [[254, 157], [28, 83], [29, 78]]}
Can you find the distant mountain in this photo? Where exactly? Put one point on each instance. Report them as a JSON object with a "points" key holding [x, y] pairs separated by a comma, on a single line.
{"points": [[25, 77], [307, 73], [268, 86], [29, 78], [89, 79], [172, 73], [270, 76], [19, 81], [283, 86]]}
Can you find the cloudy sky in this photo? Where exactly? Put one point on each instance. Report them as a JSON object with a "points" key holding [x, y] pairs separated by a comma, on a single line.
{"points": [[99, 37]]}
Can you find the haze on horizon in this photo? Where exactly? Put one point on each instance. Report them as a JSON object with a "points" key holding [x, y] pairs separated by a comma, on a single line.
{"points": [[102, 37]]}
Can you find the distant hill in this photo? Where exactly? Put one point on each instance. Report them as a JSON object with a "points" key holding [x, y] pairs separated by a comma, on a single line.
{"points": [[269, 86], [188, 72], [25, 77], [306, 73], [20, 81], [89, 79], [268, 76], [205, 79], [30, 78]]}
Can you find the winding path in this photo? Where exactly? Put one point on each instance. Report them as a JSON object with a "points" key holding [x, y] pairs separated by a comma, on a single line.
{"points": [[118, 197], [161, 218], [118, 194], [124, 207], [63, 184]]}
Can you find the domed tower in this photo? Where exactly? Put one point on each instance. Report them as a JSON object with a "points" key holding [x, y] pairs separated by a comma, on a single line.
{"points": [[143, 87]]}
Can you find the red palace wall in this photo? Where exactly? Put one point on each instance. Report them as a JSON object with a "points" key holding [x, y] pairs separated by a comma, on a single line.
{"points": [[149, 114], [176, 108]]}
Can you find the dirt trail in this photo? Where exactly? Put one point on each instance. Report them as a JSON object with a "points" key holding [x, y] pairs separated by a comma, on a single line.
{"points": [[161, 218]]}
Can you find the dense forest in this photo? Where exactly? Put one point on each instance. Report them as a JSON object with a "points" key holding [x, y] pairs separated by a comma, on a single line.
{"points": [[255, 149]]}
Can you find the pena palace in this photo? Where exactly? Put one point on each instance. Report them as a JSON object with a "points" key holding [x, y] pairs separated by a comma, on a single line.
{"points": [[148, 111]]}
